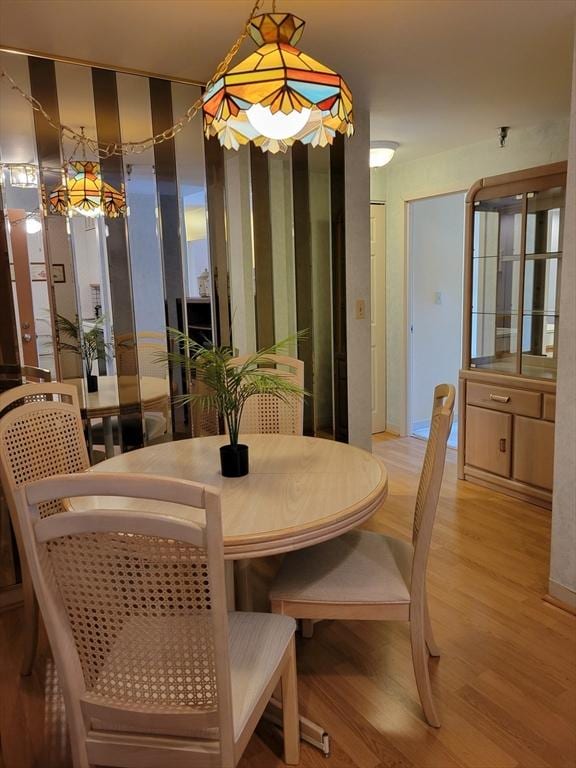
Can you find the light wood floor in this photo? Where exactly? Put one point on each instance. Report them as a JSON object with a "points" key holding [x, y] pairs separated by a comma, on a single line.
{"points": [[505, 684]]}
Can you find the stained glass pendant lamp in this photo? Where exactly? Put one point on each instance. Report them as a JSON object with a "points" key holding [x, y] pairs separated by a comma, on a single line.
{"points": [[278, 95], [85, 193]]}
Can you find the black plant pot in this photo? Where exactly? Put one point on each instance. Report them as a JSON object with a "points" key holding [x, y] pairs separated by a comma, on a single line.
{"points": [[234, 460], [92, 382]]}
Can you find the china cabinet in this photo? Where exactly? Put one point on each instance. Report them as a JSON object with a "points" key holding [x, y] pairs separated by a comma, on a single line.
{"points": [[513, 267]]}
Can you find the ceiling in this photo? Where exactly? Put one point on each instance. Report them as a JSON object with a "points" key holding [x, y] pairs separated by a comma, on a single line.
{"points": [[436, 73]]}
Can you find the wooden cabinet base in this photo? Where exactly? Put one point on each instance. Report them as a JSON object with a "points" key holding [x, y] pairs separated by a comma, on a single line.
{"points": [[537, 496]]}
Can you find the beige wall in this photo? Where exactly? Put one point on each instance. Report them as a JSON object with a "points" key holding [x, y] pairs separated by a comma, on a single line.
{"points": [[439, 174], [563, 554]]}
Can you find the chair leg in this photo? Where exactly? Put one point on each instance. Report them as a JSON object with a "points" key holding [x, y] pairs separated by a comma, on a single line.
{"points": [[290, 719], [420, 661], [307, 627], [31, 619], [433, 648]]}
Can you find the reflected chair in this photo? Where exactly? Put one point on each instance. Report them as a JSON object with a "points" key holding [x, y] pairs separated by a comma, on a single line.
{"points": [[366, 575], [41, 434], [266, 414], [153, 669]]}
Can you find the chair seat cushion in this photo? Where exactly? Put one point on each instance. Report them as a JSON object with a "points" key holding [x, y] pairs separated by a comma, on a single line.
{"points": [[358, 567], [257, 643]]}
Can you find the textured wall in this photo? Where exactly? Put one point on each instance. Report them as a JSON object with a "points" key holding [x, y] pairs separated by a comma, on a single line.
{"points": [[439, 174], [563, 554]]}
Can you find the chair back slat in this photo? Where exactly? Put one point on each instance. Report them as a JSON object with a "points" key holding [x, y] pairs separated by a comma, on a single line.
{"points": [[134, 603], [431, 474], [266, 414]]}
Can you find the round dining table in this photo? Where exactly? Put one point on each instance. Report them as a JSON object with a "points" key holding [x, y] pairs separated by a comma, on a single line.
{"points": [[300, 491]]}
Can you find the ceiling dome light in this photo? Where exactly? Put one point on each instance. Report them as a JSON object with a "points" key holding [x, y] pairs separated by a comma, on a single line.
{"points": [[278, 95], [381, 152]]}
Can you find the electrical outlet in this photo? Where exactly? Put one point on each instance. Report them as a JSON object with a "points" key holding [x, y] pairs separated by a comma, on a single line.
{"points": [[360, 309]]}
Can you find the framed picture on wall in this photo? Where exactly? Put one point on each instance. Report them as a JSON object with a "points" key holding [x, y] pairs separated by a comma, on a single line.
{"points": [[37, 272], [58, 273]]}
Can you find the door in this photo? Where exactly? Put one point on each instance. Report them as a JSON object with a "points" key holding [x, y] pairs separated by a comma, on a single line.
{"points": [[534, 451], [488, 440], [21, 261], [435, 262], [378, 314]]}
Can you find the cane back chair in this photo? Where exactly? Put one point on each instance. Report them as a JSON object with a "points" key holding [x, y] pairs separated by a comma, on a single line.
{"points": [[266, 414], [41, 434], [153, 669], [366, 575]]}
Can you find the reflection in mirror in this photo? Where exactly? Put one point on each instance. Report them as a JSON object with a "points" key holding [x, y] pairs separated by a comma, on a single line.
{"points": [[145, 252], [321, 252], [30, 275], [240, 250]]}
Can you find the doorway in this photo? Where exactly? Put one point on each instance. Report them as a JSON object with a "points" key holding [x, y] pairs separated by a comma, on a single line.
{"points": [[435, 262], [378, 314]]}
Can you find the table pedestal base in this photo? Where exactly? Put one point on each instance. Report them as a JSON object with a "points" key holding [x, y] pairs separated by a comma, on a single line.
{"points": [[310, 732]]}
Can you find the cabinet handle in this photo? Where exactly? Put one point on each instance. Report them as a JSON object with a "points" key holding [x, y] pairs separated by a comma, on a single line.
{"points": [[502, 445], [500, 398]]}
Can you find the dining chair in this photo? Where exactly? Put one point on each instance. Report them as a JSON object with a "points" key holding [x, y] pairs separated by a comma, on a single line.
{"points": [[41, 434], [153, 669], [266, 414], [366, 575]]}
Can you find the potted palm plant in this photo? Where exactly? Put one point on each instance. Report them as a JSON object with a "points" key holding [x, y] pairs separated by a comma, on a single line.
{"points": [[89, 345], [227, 387]]}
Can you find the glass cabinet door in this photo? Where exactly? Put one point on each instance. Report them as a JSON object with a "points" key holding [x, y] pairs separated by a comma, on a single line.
{"points": [[516, 270], [497, 249], [542, 270]]}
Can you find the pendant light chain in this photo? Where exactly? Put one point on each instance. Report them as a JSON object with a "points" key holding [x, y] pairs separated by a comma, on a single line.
{"points": [[104, 151]]}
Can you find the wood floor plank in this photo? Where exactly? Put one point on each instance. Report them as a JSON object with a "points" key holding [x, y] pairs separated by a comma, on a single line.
{"points": [[505, 684]]}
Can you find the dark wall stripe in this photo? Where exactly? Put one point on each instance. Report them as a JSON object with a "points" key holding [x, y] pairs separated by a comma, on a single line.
{"points": [[216, 198], [170, 224], [303, 273], [262, 238], [108, 129], [337, 205]]}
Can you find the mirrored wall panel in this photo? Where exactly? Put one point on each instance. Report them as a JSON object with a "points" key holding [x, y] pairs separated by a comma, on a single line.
{"points": [[106, 253]]}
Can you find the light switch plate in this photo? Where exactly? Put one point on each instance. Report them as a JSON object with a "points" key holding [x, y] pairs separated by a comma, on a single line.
{"points": [[360, 309]]}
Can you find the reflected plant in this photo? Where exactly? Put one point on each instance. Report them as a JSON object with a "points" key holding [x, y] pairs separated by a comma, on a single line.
{"points": [[228, 386], [88, 345]]}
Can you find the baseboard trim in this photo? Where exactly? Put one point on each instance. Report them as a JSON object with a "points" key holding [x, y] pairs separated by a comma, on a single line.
{"points": [[561, 596]]}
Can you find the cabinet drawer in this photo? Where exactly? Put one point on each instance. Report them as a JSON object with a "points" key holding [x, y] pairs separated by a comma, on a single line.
{"points": [[505, 399], [488, 438], [549, 407], [534, 452]]}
